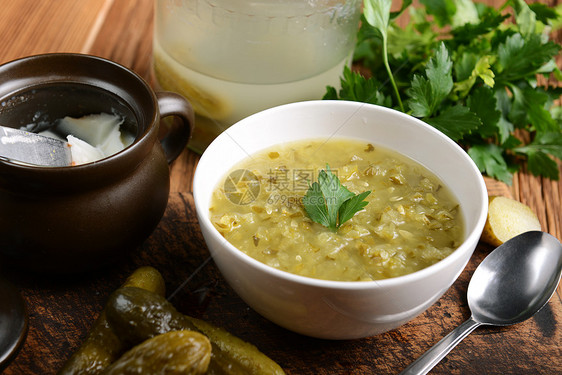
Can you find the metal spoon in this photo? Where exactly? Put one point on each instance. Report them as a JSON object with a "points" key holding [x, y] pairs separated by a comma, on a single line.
{"points": [[30, 148], [510, 285], [13, 323]]}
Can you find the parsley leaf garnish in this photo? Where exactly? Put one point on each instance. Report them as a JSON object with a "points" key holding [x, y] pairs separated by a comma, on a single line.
{"points": [[331, 204], [475, 77]]}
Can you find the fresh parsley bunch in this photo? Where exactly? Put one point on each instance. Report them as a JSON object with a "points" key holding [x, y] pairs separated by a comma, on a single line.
{"points": [[470, 70]]}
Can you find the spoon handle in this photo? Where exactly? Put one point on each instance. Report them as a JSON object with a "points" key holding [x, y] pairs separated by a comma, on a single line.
{"points": [[430, 358]]}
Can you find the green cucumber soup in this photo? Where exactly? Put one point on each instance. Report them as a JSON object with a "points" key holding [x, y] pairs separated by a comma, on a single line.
{"points": [[411, 220]]}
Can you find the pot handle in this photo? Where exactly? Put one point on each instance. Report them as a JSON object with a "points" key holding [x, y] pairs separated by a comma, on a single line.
{"points": [[172, 104]]}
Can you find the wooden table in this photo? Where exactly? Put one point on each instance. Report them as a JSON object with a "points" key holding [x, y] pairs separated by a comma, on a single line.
{"points": [[62, 309]]}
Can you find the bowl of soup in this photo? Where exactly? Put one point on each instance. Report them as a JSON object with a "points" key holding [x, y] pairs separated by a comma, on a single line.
{"points": [[338, 219]]}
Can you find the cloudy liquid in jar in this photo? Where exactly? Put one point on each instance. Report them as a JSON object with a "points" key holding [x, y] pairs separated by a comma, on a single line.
{"points": [[232, 59]]}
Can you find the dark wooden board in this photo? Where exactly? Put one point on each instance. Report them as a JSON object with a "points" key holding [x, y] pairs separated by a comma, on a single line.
{"points": [[62, 309]]}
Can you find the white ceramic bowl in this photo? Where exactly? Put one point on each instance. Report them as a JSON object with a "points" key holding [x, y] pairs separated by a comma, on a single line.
{"points": [[336, 309]]}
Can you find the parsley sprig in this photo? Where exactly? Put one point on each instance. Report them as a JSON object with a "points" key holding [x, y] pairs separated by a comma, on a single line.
{"points": [[474, 77], [331, 204]]}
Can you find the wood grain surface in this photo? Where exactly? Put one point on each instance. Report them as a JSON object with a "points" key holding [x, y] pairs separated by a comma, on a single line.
{"points": [[62, 309]]}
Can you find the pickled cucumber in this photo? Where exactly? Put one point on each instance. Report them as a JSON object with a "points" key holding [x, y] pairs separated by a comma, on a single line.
{"points": [[136, 315], [102, 347], [232, 355], [172, 353]]}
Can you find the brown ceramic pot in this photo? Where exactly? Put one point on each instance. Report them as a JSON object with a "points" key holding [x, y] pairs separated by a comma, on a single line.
{"points": [[69, 219]]}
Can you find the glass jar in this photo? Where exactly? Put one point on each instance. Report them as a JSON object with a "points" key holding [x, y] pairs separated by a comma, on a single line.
{"points": [[232, 58]]}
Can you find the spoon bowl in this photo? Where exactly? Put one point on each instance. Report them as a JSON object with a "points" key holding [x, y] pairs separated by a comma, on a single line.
{"points": [[510, 285], [516, 279], [13, 323], [22, 146]]}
